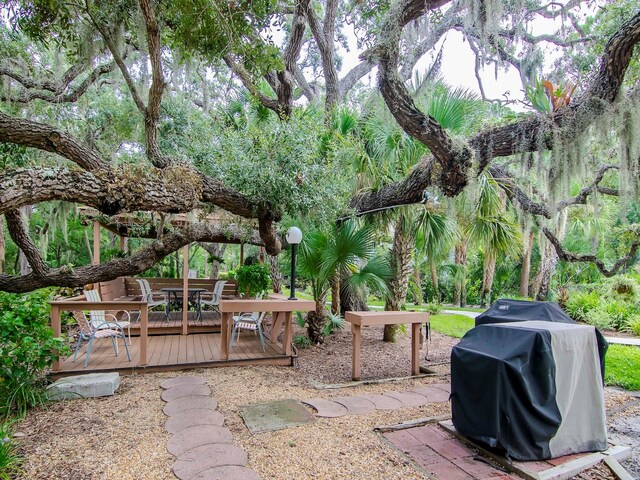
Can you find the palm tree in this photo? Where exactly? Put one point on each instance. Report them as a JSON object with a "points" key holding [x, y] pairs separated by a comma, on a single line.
{"points": [[323, 255], [494, 230]]}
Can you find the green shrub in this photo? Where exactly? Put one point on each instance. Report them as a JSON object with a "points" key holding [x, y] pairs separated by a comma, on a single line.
{"points": [[301, 341], [632, 324], [581, 303], [27, 349], [600, 318], [10, 461], [433, 308], [622, 288], [619, 311], [253, 279], [334, 322]]}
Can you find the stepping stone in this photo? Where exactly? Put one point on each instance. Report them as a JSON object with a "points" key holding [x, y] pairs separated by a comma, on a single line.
{"points": [[189, 403], [172, 382], [84, 386], [206, 457], [190, 418], [326, 408], [266, 417], [356, 405], [382, 402], [433, 394], [185, 391], [442, 386], [228, 473], [408, 399], [195, 436]]}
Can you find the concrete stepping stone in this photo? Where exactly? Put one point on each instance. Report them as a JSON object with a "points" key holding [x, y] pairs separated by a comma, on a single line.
{"points": [[356, 405], [172, 382], [442, 386], [229, 472], [408, 399], [433, 394], [198, 460], [185, 391], [382, 402], [195, 436], [326, 408], [190, 418], [189, 403]]}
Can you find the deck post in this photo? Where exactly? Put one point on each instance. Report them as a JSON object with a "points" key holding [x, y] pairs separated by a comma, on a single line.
{"points": [[416, 336], [355, 354], [224, 335], [185, 290], [56, 324], [288, 333], [144, 339], [96, 243]]}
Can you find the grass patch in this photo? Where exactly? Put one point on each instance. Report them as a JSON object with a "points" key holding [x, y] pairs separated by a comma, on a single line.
{"points": [[623, 367], [463, 309], [452, 325]]}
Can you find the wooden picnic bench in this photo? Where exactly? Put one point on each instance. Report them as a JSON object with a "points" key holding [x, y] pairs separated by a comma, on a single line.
{"points": [[359, 319]]}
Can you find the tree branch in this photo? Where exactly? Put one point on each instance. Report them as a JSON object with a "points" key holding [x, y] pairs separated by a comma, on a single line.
{"points": [[20, 235]]}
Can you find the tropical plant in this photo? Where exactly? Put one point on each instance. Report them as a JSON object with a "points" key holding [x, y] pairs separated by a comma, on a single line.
{"points": [[10, 460], [580, 304], [27, 348], [253, 280]]}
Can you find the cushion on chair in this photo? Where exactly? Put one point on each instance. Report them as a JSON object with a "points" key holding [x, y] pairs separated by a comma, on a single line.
{"points": [[107, 332], [247, 325]]}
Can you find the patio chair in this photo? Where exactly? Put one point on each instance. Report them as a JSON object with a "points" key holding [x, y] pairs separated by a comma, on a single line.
{"points": [[248, 321], [214, 301], [90, 333], [147, 296], [100, 317]]}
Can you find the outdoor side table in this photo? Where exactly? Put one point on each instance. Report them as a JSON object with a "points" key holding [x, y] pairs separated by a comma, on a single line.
{"points": [[358, 319]]}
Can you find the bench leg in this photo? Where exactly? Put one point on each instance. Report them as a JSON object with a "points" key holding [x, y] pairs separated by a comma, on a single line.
{"points": [[357, 342]]}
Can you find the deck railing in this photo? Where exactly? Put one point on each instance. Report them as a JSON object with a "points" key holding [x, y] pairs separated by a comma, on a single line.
{"points": [[79, 304]]}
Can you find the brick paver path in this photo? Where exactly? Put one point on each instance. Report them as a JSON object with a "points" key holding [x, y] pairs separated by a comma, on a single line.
{"points": [[198, 438], [361, 405], [442, 455]]}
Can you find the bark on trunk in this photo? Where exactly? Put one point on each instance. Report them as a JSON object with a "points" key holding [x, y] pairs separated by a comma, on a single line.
{"points": [[316, 321], [2, 247], [487, 278], [417, 279], [434, 281], [526, 264], [335, 293], [25, 267], [274, 272], [460, 286], [349, 300], [549, 260], [216, 250], [400, 271]]}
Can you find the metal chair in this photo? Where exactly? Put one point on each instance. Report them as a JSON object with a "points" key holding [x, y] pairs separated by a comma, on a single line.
{"points": [[214, 301], [248, 321], [103, 330], [147, 296], [99, 317]]}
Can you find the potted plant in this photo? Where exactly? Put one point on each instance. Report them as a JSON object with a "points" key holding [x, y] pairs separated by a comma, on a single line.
{"points": [[253, 280]]}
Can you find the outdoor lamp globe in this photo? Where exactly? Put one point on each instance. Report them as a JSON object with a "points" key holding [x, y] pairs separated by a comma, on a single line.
{"points": [[294, 236]]}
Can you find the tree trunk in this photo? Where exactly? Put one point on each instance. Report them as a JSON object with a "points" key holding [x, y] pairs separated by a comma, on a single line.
{"points": [[2, 247], [549, 260], [349, 300], [274, 271], [400, 272], [487, 278], [25, 268], [215, 250], [417, 279], [316, 320], [526, 264], [335, 293], [460, 285], [434, 281]]}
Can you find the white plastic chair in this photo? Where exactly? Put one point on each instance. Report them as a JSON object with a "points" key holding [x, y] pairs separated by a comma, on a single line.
{"points": [[214, 301], [107, 320], [103, 330], [147, 296], [248, 321]]}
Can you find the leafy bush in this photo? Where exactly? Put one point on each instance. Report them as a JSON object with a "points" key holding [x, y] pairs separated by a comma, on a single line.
{"points": [[10, 461], [632, 324], [301, 341], [600, 318], [619, 311], [433, 308], [581, 303], [253, 279], [622, 287], [27, 349], [335, 322]]}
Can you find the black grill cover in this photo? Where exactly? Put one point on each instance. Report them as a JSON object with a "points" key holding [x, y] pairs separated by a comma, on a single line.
{"points": [[506, 310], [505, 383]]}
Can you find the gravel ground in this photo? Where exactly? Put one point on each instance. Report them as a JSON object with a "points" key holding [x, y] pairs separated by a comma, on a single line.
{"points": [[122, 437]]}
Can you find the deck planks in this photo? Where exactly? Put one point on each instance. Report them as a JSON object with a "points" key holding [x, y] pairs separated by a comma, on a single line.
{"points": [[167, 351]]}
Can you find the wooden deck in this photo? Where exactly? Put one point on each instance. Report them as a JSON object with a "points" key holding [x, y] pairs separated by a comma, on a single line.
{"points": [[158, 325], [174, 352]]}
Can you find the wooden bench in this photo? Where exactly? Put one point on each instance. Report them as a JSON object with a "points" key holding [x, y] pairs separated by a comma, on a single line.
{"points": [[358, 319]]}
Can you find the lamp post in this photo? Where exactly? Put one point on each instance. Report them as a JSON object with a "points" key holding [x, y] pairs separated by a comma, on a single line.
{"points": [[294, 237]]}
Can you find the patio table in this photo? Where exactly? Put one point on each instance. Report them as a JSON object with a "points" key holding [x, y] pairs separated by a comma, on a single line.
{"points": [[194, 298]]}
